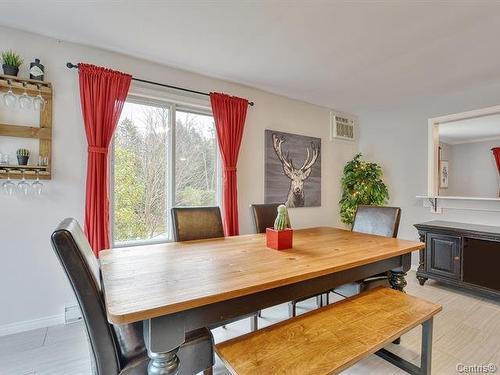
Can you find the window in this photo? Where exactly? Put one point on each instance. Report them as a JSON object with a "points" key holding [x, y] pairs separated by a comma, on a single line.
{"points": [[164, 155]]}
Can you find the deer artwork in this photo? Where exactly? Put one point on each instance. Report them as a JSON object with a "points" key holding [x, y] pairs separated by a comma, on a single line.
{"points": [[297, 176]]}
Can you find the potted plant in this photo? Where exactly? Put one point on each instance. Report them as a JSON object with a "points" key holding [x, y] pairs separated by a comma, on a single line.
{"points": [[23, 155], [361, 184], [281, 236], [11, 62]]}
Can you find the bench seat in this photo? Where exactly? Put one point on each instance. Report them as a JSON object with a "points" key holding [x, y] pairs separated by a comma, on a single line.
{"points": [[333, 338]]}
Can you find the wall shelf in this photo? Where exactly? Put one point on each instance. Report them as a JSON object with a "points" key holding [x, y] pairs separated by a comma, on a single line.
{"points": [[43, 133], [437, 203]]}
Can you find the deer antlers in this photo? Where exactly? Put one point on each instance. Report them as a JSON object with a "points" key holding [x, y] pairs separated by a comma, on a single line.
{"points": [[277, 141], [308, 163], [287, 162]]}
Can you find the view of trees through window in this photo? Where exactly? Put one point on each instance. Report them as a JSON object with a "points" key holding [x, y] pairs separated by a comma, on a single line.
{"points": [[146, 184]]}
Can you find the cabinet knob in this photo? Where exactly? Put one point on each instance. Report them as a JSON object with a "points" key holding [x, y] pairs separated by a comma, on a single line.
{"points": [[456, 258]]}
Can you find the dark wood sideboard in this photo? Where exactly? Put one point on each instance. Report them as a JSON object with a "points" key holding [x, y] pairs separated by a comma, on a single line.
{"points": [[464, 255]]}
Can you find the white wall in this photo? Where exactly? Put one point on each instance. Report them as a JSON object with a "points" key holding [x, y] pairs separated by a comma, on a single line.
{"points": [[397, 139], [472, 170], [32, 285]]}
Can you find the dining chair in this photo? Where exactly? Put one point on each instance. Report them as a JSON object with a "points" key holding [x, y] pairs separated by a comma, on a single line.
{"points": [[201, 223], [116, 349], [263, 216], [196, 223], [378, 220]]}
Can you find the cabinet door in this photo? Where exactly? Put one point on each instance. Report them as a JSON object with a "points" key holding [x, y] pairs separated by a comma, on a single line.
{"points": [[443, 255]]}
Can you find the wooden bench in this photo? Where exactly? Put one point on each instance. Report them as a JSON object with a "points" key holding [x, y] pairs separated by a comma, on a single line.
{"points": [[333, 338]]}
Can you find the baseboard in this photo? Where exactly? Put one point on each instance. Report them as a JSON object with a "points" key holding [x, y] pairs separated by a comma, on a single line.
{"points": [[28, 325]]}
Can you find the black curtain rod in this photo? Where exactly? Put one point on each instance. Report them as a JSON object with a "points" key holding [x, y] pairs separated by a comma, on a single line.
{"points": [[71, 66]]}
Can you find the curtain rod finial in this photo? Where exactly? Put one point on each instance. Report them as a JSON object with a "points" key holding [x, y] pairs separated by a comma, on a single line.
{"points": [[71, 65]]}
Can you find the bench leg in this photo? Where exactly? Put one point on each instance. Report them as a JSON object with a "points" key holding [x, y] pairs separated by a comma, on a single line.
{"points": [[425, 355], [426, 352]]}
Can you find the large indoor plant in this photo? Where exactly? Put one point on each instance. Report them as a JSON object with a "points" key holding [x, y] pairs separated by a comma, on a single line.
{"points": [[11, 62], [361, 185]]}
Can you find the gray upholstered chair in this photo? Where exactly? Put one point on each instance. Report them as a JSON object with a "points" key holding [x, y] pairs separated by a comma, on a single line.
{"points": [[378, 220], [116, 349], [200, 223]]}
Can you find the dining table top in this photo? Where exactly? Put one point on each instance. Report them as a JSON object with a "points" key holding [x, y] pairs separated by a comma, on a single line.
{"points": [[144, 282]]}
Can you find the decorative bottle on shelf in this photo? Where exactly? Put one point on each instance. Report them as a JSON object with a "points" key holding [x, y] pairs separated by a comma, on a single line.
{"points": [[36, 70]]}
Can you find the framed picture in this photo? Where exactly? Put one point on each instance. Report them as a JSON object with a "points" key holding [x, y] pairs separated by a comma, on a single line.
{"points": [[443, 174], [293, 169]]}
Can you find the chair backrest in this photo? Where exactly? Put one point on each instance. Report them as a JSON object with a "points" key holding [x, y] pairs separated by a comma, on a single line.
{"points": [[196, 223], [112, 345], [264, 215], [382, 221]]}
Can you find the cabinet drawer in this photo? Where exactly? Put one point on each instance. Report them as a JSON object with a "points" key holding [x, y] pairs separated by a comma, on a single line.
{"points": [[443, 253]]}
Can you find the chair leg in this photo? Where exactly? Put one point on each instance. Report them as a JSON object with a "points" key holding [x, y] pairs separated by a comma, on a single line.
{"points": [[254, 323], [208, 371], [292, 311], [319, 300], [325, 299]]}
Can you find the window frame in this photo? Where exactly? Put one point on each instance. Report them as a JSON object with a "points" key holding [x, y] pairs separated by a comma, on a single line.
{"points": [[173, 106]]}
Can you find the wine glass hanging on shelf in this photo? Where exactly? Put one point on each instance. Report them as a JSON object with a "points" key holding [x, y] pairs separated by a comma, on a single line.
{"points": [[8, 186], [25, 101], [38, 101], [23, 185], [9, 98], [37, 185]]}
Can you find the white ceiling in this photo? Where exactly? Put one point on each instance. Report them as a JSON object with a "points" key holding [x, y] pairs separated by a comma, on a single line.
{"points": [[348, 55], [470, 130]]}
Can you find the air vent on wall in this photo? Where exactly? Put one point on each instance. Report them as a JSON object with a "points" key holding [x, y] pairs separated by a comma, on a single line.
{"points": [[342, 127]]}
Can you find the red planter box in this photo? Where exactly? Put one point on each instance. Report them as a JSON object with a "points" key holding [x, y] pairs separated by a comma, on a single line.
{"points": [[279, 239]]}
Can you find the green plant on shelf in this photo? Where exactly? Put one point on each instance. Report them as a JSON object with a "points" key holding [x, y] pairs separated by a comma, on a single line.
{"points": [[11, 58], [23, 152], [361, 184]]}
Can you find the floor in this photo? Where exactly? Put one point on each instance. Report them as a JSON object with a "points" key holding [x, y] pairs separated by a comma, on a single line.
{"points": [[467, 332]]}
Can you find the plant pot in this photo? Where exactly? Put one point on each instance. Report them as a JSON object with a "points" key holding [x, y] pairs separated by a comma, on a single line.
{"points": [[22, 160], [10, 70], [279, 239]]}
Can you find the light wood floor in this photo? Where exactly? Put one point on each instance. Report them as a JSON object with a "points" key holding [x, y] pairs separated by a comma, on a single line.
{"points": [[466, 331]]}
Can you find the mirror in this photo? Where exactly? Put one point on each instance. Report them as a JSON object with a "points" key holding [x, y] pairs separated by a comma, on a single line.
{"points": [[467, 156]]}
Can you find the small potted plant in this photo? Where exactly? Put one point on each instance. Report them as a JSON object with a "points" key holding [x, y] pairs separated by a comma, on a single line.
{"points": [[23, 155], [281, 236], [11, 62]]}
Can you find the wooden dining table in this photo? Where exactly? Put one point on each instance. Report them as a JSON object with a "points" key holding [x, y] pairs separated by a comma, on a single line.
{"points": [[177, 287]]}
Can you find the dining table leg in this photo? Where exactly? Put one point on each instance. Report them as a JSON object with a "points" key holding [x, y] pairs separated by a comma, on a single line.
{"points": [[397, 280], [163, 336]]}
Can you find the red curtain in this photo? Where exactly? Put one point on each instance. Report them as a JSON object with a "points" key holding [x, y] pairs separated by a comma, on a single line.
{"points": [[229, 114], [496, 154], [102, 93]]}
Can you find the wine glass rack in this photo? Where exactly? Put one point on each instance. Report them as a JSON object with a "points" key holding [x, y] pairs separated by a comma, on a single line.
{"points": [[43, 133]]}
